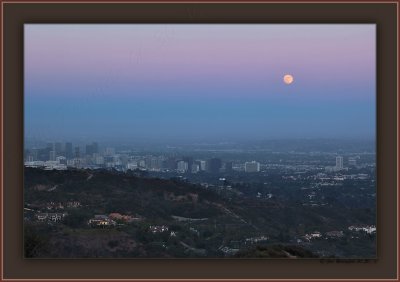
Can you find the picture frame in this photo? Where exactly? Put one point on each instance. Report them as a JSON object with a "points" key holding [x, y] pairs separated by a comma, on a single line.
{"points": [[16, 13]]}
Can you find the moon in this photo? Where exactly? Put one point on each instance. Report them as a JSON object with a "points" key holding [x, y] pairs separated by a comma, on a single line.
{"points": [[288, 79]]}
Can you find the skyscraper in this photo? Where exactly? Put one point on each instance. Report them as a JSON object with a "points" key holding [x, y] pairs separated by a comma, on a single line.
{"points": [[35, 154], [58, 148], [68, 150], [183, 166], [339, 163], [52, 156], [92, 148], [203, 165], [189, 160]]}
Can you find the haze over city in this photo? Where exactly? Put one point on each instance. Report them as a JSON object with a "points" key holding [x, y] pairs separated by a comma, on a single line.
{"points": [[198, 82]]}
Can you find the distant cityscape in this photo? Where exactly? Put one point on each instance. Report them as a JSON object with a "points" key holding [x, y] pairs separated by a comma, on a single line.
{"points": [[61, 156]]}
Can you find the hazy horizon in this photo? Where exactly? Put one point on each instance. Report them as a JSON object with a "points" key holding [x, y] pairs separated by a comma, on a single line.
{"points": [[177, 82], [312, 144]]}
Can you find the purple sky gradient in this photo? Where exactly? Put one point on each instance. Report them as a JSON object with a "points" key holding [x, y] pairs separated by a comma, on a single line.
{"points": [[199, 64]]}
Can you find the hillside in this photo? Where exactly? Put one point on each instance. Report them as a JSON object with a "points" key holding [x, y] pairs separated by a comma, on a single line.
{"points": [[148, 217]]}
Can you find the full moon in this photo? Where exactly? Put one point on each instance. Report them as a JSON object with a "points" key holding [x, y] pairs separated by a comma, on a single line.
{"points": [[288, 79]]}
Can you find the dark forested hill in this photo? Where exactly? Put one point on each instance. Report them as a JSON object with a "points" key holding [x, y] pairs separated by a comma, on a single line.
{"points": [[148, 217]]}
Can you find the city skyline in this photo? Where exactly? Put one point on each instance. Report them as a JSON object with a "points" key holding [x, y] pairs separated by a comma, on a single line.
{"points": [[199, 82], [63, 156]]}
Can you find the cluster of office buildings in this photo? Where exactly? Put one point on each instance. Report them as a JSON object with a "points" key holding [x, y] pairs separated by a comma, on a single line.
{"points": [[63, 156], [352, 162]]}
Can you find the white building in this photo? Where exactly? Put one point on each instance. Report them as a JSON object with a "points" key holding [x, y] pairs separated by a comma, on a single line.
{"points": [[141, 164], [50, 165], [202, 165], [252, 166], [132, 165], [34, 164], [339, 163], [183, 166]]}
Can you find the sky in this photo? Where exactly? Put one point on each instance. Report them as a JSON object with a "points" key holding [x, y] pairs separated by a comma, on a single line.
{"points": [[155, 82]]}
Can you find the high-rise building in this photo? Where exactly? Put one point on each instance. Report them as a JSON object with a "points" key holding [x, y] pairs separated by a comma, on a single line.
{"points": [[183, 166], [92, 148], [160, 162], [43, 154], [35, 154], [189, 160], [142, 164], [68, 150], [203, 165], [154, 163], [52, 156], [58, 148], [195, 168], [147, 161], [339, 163], [252, 166]]}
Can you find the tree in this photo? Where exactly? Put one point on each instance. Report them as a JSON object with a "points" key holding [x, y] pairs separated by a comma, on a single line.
{"points": [[76, 218], [35, 244]]}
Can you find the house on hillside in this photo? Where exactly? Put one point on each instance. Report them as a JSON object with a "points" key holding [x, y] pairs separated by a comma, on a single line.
{"points": [[121, 217], [158, 228], [101, 220], [51, 217]]}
